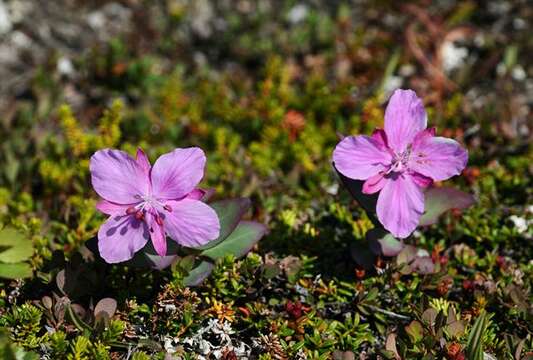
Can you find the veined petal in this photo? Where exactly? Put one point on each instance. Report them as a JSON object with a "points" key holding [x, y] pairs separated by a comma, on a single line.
{"points": [[381, 136], [374, 184], [191, 222], [438, 158], [421, 180], [197, 194], [177, 173], [117, 177], [120, 237], [423, 136], [143, 162], [157, 232], [400, 205], [404, 118], [110, 208], [360, 157]]}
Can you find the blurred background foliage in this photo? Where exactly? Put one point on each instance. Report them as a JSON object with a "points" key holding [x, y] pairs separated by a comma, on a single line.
{"points": [[266, 88]]}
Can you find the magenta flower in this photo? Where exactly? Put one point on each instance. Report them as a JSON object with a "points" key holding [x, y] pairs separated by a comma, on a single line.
{"points": [[400, 162], [145, 202]]}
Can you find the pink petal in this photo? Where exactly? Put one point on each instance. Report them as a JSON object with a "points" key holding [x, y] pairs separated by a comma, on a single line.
{"points": [[157, 233], [423, 135], [374, 184], [120, 237], [381, 136], [400, 205], [110, 208], [421, 180], [117, 177], [191, 223], [404, 118], [177, 173], [438, 158], [360, 157], [143, 162], [196, 194]]}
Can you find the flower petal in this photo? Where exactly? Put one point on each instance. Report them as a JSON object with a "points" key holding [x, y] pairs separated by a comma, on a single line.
{"points": [[381, 136], [438, 158], [197, 194], [157, 233], [423, 136], [177, 173], [110, 208], [191, 222], [404, 118], [360, 157], [421, 180], [143, 162], [374, 184], [120, 237], [117, 177], [400, 205]]}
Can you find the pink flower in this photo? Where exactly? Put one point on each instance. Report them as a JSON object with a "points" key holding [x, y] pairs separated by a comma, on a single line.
{"points": [[400, 162], [151, 202]]}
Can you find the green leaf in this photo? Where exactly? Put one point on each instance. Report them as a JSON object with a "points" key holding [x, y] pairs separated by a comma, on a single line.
{"points": [[9, 351], [15, 271], [241, 240], [390, 346], [407, 255], [474, 344], [454, 326], [423, 265], [383, 243], [147, 257], [440, 200], [75, 319], [429, 316], [14, 246], [415, 331], [230, 212], [413, 259], [186, 263], [198, 274], [105, 309]]}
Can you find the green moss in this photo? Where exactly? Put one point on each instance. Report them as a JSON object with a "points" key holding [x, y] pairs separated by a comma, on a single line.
{"points": [[267, 97]]}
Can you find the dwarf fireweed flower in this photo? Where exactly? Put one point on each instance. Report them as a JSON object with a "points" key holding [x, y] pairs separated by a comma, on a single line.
{"points": [[146, 202], [399, 162]]}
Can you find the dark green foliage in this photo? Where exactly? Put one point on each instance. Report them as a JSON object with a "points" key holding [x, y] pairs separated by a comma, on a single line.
{"points": [[266, 94]]}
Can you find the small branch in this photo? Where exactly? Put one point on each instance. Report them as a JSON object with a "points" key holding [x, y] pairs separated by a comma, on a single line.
{"points": [[388, 313]]}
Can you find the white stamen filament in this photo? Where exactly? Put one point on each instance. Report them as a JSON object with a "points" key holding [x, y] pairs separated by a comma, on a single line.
{"points": [[150, 202], [399, 161]]}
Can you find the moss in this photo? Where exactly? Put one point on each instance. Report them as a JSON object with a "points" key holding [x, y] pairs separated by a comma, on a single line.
{"points": [[267, 99]]}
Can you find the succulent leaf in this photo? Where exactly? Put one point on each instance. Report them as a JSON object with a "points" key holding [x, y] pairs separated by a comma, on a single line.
{"points": [[229, 213], [198, 274], [383, 243], [241, 240], [440, 200]]}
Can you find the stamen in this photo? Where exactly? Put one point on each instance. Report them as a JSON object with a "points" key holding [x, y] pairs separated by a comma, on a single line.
{"points": [[139, 215], [158, 220], [167, 208], [131, 210]]}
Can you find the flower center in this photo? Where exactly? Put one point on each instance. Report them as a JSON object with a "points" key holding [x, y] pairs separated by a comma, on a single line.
{"points": [[151, 204], [150, 200], [399, 161]]}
